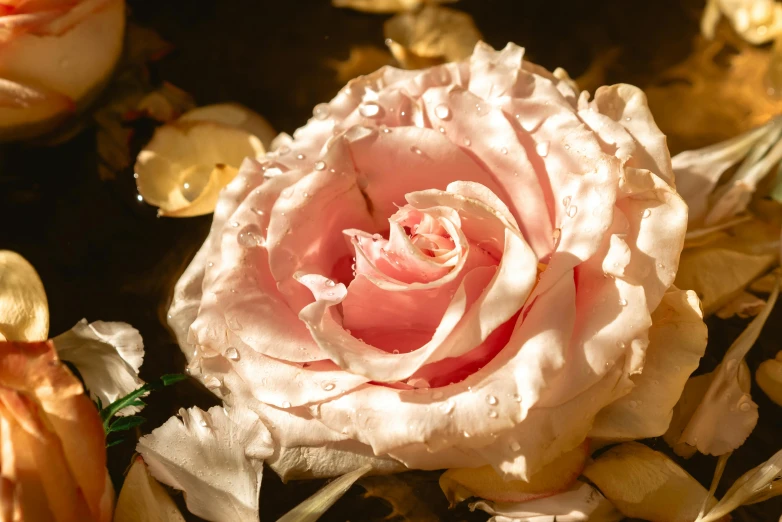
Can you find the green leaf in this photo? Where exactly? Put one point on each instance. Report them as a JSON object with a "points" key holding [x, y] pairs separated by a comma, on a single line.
{"points": [[134, 397], [126, 423], [138, 403], [172, 378], [114, 443]]}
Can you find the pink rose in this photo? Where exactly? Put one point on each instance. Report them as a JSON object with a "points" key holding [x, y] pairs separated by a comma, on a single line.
{"points": [[465, 265]]}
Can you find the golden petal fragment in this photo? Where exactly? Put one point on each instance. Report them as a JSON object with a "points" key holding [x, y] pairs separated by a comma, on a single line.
{"points": [[385, 6], [24, 311], [143, 499]]}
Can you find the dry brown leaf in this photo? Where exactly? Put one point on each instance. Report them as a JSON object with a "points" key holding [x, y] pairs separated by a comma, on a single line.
{"points": [[143, 499], [720, 269], [431, 36], [769, 378], [721, 87], [399, 491], [363, 59], [385, 6], [24, 311]]}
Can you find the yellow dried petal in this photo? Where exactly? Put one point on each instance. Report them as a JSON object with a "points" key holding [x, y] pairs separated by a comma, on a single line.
{"points": [[363, 59], [769, 378], [643, 483], [142, 499], [24, 311]]}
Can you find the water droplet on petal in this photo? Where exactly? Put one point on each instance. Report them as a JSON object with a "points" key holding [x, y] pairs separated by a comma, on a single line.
{"points": [[517, 397], [515, 446], [250, 237], [258, 211], [232, 353], [328, 386], [235, 224], [491, 399], [212, 382], [745, 406], [386, 130], [282, 150], [233, 323], [442, 130], [320, 165], [633, 404], [300, 156], [369, 110], [542, 149], [623, 302], [203, 423], [571, 211], [286, 404], [504, 150], [467, 142], [321, 111], [620, 344], [466, 434], [442, 111], [416, 150], [646, 213], [566, 201], [493, 414]]}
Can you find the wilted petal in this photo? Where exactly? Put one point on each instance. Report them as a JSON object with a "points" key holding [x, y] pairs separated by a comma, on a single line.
{"points": [[108, 357], [430, 36], [677, 340], [24, 311], [215, 457], [581, 503], [187, 163], [643, 483], [142, 499], [769, 378]]}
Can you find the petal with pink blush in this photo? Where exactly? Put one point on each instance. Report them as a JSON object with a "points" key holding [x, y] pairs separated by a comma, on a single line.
{"points": [[494, 73]]}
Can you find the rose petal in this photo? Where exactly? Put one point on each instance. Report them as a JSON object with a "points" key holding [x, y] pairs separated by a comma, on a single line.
{"points": [[142, 499], [215, 457], [184, 167], [769, 378], [234, 115], [108, 357], [677, 340], [580, 503], [24, 311], [643, 483]]}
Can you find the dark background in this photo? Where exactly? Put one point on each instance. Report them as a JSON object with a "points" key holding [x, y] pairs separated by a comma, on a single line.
{"points": [[103, 255]]}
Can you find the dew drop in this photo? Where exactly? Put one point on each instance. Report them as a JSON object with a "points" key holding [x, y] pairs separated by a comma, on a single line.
{"points": [[416, 150], [386, 130], [320, 165], [300, 156], [620, 344], [515, 446], [328, 386], [745, 406], [466, 434], [467, 142], [566, 201], [442, 130], [140, 197], [504, 150], [233, 323], [282, 150], [203, 423], [250, 237], [258, 211], [517, 397], [493, 414], [628, 118], [442, 111], [542, 149], [321, 111], [210, 264], [331, 283], [369, 110], [212, 382], [492, 400], [235, 224], [572, 210], [646, 213], [395, 352], [232, 353], [623, 302], [633, 404]]}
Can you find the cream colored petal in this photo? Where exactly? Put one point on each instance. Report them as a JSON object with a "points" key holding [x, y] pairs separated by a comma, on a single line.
{"points": [[24, 311], [187, 163], [142, 499], [743, 305], [215, 457], [769, 378], [108, 357], [719, 270], [237, 116], [677, 340], [430, 36], [643, 483], [363, 59]]}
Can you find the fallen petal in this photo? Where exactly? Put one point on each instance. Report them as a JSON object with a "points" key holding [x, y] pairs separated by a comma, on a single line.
{"points": [[744, 305], [143, 499], [24, 311], [769, 378], [385, 6]]}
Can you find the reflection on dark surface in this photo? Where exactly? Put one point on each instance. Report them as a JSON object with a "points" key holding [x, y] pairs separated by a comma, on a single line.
{"points": [[103, 255]]}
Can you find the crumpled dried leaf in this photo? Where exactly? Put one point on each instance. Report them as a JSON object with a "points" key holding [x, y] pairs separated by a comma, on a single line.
{"points": [[188, 162], [142, 499], [724, 415], [363, 59], [758, 484], [215, 457], [721, 87], [580, 503], [108, 356], [24, 311], [744, 305], [431, 36], [385, 6], [166, 103], [313, 508], [484, 482], [643, 483], [727, 261], [769, 378], [757, 21]]}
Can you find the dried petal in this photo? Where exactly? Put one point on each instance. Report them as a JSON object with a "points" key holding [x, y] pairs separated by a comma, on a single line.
{"points": [[108, 357], [184, 167], [142, 499], [769, 378], [430, 36], [643, 483], [24, 311], [744, 305], [215, 457], [363, 59]]}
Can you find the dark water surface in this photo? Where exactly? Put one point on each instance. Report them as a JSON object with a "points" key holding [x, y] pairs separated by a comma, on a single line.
{"points": [[103, 255]]}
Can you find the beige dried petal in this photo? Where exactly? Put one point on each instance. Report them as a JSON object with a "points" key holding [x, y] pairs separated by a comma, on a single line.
{"points": [[187, 163], [643, 483], [143, 499], [757, 21], [363, 59], [430, 36], [385, 6], [24, 311], [769, 378], [744, 305], [237, 116], [719, 270]]}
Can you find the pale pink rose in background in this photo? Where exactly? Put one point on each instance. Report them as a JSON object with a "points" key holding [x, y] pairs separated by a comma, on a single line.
{"points": [[465, 265]]}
